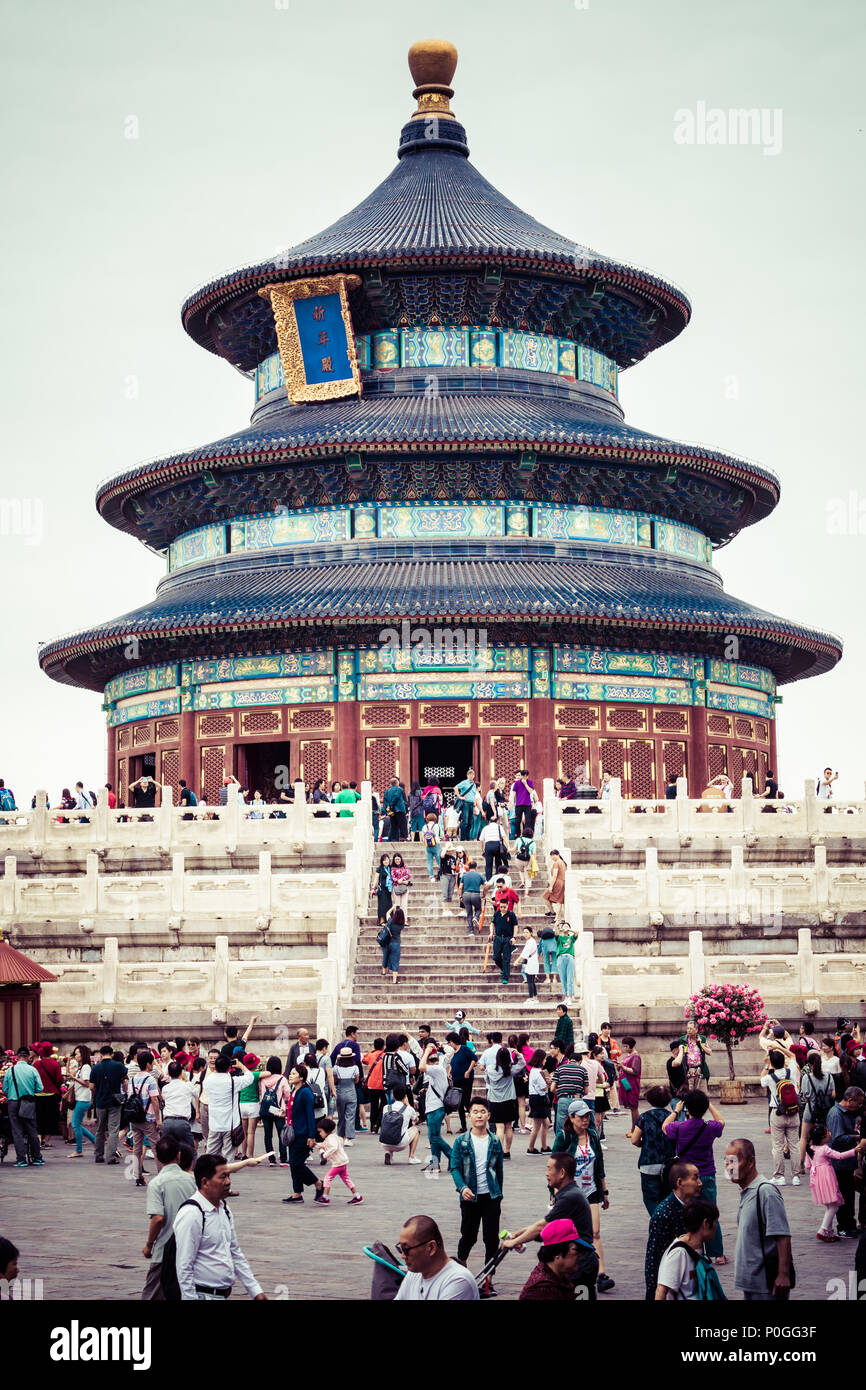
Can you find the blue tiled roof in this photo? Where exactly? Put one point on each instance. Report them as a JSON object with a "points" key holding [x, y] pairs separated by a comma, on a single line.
{"points": [[414, 421], [433, 210], [624, 595]]}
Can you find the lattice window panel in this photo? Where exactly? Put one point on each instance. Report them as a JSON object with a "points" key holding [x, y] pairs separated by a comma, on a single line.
{"points": [[571, 755], [506, 756], [743, 727], [142, 734], [212, 773], [215, 725], [382, 757], [718, 724], [170, 771], [316, 718], [502, 712], [671, 721], [642, 769], [442, 716], [762, 731], [577, 716], [763, 762], [750, 765], [674, 760], [626, 717], [611, 752], [717, 759], [167, 730], [388, 715], [120, 789], [315, 761], [735, 767], [124, 738], [262, 721]]}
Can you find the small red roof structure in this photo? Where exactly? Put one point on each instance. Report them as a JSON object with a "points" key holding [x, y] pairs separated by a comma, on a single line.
{"points": [[16, 969]]}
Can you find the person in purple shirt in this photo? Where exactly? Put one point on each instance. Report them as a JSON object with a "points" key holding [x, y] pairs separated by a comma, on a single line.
{"points": [[522, 793], [350, 1041], [693, 1137]]}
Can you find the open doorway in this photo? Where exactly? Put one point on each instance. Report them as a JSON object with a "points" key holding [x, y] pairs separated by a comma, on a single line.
{"points": [[143, 765], [265, 768], [444, 758]]}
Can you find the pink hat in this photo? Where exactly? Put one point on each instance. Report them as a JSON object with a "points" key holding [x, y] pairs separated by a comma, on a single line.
{"points": [[559, 1232]]}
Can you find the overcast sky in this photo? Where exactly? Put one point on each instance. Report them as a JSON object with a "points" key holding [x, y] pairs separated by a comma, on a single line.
{"points": [[259, 122]]}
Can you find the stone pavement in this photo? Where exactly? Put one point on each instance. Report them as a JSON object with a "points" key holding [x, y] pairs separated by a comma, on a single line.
{"points": [[81, 1230]]}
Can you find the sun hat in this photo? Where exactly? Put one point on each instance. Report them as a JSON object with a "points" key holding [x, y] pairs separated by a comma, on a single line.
{"points": [[347, 1053]]}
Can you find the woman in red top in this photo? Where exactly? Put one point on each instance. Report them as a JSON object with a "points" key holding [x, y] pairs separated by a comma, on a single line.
{"points": [[48, 1105], [375, 1083]]}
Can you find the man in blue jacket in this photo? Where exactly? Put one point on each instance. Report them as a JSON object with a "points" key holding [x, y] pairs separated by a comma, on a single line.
{"points": [[396, 807], [476, 1167]]}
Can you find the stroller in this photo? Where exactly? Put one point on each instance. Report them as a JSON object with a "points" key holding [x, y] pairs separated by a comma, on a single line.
{"points": [[389, 1273]]}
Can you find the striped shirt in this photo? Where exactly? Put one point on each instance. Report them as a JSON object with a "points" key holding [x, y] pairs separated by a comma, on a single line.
{"points": [[571, 1080]]}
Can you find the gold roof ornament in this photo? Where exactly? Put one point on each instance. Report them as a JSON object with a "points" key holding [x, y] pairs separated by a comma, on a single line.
{"points": [[432, 63]]}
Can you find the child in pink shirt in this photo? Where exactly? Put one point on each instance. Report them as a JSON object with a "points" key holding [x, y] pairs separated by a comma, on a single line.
{"points": [[822, 1178], [333, 1152]]}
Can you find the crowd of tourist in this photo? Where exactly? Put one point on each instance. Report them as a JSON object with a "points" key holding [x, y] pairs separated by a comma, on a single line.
{"points": [[186, 1116]]}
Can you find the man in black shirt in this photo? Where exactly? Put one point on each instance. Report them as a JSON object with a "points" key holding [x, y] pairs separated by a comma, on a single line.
{"points": [[233, 1040], [502, 932], [106, 1083], [569, 1204]]}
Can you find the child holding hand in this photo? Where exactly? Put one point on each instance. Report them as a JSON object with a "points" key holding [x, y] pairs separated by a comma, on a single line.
{"points": [[333, 1152]]}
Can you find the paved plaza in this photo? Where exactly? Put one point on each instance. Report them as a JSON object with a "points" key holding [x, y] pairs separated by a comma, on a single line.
{"points": [[80, 1229]]}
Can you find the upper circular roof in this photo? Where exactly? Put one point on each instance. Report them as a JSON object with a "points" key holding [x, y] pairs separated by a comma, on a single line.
{"points": [[434, 215]]}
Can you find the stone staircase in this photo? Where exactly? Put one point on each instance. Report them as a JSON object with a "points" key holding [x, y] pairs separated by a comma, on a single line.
{"points": [[441, 968]]}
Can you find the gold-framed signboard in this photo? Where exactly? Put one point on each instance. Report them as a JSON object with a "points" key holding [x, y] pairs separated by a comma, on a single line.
{"points": [[315, 337]]}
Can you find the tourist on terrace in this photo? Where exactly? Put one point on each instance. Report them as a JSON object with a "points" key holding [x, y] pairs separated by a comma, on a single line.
{"points": [[565, 941], [78, 1074], [677, 1276], [437, 1084], [502, 1093], [302, 1119], [476, 1167], [554, 894], [396, 808], [464, 800], [578, 1138], [21, 1081], [522, 794], [401, 881], [447, 878], [394, 923], [172, 1185], [208, 1258], [629, 1067], [780, 1078], [431, 837], [824, 787], [656, 1149], [472, 884], [382, 888], [416, 811], [692, 1051]]}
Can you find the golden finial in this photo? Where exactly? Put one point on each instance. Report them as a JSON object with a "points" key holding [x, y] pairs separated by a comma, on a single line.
{"points": [[432, 63]]}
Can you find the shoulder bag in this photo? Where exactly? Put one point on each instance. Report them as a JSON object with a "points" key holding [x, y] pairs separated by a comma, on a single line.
{"points": [[26, 1104], [237, 1132]]}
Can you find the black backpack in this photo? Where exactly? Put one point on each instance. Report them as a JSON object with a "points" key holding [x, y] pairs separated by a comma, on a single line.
{"points": [[168, 1280], [133, 1111], [430, 804], [396, 1073], [391, 1127]]}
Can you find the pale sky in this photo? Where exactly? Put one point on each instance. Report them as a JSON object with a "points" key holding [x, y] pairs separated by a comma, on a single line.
{"points": [[259, 123]]}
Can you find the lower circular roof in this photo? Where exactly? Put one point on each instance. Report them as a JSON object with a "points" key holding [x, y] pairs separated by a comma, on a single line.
{"points": [[621, 596]]}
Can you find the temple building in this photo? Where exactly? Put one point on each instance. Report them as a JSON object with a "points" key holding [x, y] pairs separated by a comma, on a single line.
{"points": [[438, 543]]}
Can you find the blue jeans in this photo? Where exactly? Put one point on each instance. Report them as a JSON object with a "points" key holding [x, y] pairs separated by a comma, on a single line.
{"points": [[434, 855], [391, 955], [651, 1190], [565, 966], [714, 1247], [548, 955], [438, 1147], [80, 1110]]}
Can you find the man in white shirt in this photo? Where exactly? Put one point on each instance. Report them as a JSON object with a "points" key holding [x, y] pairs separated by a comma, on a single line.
{"points": [[781, 1073], [432, 1274], [172, 1186], [208, 1258], [824, 789], [222, 1089], [491, 840], [179, 1104]]}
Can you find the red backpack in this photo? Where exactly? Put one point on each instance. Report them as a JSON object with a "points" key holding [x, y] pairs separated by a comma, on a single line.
{"points": [[787, 1098]]}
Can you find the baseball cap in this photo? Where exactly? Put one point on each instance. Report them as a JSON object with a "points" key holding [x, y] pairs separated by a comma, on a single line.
{"points": [[558, 1232], [579, 1107]]}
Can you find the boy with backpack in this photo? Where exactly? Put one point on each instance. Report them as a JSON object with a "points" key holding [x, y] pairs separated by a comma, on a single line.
{"points": [[781, 1083], [398, 1129], [685, 1271]]}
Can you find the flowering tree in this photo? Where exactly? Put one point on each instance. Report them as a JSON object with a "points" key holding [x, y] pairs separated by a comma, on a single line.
{"points": [[729, 1013]]}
